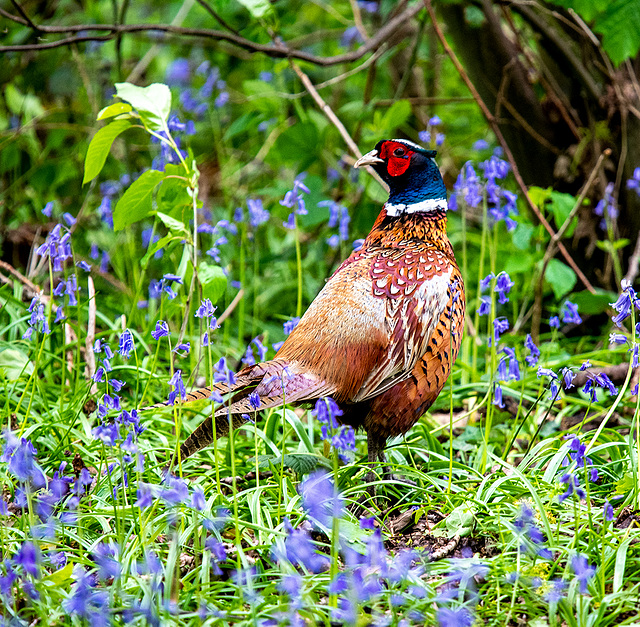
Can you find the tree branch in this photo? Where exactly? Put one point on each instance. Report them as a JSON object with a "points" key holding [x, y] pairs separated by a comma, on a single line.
{"points": [[275, 49], [507, 151]]}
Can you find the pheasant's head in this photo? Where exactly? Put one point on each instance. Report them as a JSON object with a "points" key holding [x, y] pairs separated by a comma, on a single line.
{"points": [[415, 183]]}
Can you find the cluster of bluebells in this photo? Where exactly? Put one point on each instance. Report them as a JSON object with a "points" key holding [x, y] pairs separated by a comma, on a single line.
{"points": [[369, 575], [57, 249], [341, 437], [502, 287], [508, 370], [164, 285], [576, 455], [529, 534], [206, 313], [171, 150], [197, 101], [249, 358], [625, 305], [294, 199], [472, 189], [338, 216], [221, 230], [431, 134]]}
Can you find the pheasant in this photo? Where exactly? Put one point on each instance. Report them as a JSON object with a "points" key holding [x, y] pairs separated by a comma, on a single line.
{"points": [[381, 336]]}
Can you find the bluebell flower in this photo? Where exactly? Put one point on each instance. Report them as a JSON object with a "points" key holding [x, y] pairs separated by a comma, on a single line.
{"points": [[178, 387], [607, 207], [178, 73], [554, 322], [162, 330], [582, 570], [321, 499], [197, 499], [350, 36], [626, 300], [497, 395], [534, 351], [86, 601], [568, 376], [607, 511], [570, 313], [633, 183], [500, 326], [126, 345], [21, 456], [222, 373], [290, 325], [68, 218], [503, 286], [48, 208], [254, 400], [573, 485], [480, 144], [28, 557], [106, 557], [454, 617], [486, 282]]}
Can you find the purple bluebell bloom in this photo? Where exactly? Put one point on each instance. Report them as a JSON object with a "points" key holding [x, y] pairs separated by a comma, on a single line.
{"points": [[178, 387], [582, 570], [534, 351], [570, 313]]}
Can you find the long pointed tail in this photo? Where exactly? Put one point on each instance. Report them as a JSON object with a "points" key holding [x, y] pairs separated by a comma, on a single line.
{"points": [[203, 434]]}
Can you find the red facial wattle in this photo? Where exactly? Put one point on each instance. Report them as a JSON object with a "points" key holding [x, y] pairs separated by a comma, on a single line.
{"points": [[398, 157]]}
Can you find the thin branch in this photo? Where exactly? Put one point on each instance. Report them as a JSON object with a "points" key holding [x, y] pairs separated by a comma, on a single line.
{"points": [[209, 9], [634, 263], [333, 118], [25, 17], [507, 151], [275, 49]]}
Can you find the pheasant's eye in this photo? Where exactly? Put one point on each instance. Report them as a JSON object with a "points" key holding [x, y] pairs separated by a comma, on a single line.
{"points": [[398, 152]]}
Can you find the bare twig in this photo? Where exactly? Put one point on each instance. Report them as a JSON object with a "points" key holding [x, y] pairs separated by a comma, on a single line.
{"points": [[333, 118], [209, 9], [275, 49], [634, 263], [90, 358], [232, 305], [507, 151]]}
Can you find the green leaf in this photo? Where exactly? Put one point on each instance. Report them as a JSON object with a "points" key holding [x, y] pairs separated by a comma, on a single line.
{"points": [[100, 146], [297, 142], [213, 280], [257, 8], [539, 195], [135, 203], [15, 363], [171, 223], [620, 29], [561, 277], [593, 303], [522, 235], [396, 116], [587, 9], [117, 108], [153, 103], [161, 243], [561, 206]]}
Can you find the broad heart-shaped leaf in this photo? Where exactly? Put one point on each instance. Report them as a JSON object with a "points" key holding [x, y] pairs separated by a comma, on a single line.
{"points": [[561, 206], [100, 146], [561, 277], [153, 103], [135, 203], [620, 29], [257, 8], [213, 280]]}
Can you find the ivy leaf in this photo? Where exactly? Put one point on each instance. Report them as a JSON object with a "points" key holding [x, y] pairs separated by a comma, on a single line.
{"points": [[619, 26], [561, 277], [153, 103], [135, 203], [213, 280], [100, 146]]}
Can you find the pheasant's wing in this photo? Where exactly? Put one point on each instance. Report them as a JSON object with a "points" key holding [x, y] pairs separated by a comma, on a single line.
{"points": [[371, 322], [418, 286]]}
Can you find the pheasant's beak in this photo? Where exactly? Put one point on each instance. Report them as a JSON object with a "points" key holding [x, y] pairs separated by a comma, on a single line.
{"points": [[369, 159]]}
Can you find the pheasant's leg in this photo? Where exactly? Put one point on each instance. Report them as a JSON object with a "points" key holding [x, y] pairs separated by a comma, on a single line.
{"points": [[375, 450]]}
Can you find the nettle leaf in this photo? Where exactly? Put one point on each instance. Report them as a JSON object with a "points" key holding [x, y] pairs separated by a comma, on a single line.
{"points": [[117, 108], [257, 8], [213, 280], [561, 277], [153, 103], [100, 146], [619, 26], [135, 203]]}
